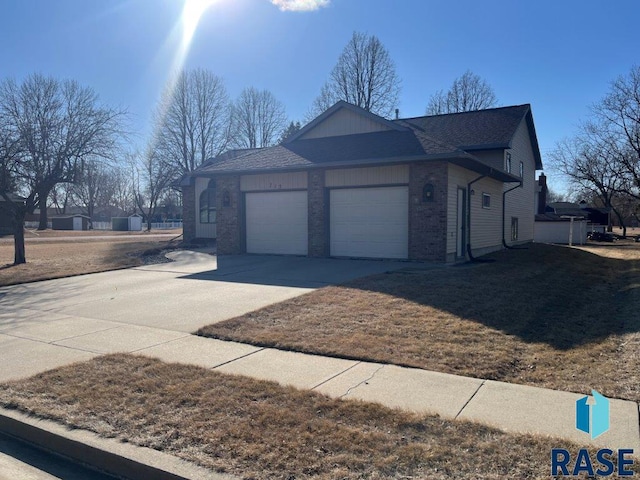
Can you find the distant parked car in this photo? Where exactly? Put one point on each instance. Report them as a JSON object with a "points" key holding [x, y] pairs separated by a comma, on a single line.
{"points": [[601, 237], [637, 239]]}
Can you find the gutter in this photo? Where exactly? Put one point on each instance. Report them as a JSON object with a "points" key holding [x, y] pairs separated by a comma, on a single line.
{"points": [[308, 165], [504, 195], [461, 159]]}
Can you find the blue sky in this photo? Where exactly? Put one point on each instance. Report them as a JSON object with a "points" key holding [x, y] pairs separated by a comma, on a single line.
{"points": [[560, 56]]}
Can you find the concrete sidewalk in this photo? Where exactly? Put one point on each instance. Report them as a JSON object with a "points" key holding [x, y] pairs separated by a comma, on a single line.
{"points": [[509, 407], [42, 329]]}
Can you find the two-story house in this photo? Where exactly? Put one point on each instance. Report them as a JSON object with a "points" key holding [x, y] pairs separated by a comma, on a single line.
{"points": [[352, 184]]}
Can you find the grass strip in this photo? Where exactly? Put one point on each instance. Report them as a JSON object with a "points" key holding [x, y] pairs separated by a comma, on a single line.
{"points": [[259, 430], [548, 316]]}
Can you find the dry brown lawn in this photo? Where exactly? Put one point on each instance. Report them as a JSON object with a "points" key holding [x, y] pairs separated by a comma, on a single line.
{"points": [[62, 258], [549, 316], [260, 430]]}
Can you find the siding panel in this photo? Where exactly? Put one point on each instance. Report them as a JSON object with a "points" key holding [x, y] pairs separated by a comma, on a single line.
{"points": [[520, 203], [355, 177], [273, 181], [486, 229], [345, 122]]}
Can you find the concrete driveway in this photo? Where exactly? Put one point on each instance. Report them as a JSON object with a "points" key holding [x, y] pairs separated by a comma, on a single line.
{"points": [[52, 323]]}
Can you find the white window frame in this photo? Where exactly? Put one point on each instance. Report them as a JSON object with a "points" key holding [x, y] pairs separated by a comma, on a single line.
{"points": [[486, 200], [207, 205], [514, 229]]}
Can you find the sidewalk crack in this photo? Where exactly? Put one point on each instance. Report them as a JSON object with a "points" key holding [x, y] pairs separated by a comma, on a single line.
{"points": [[363, 382], [260, 349], [336, 375], [470, 398]]}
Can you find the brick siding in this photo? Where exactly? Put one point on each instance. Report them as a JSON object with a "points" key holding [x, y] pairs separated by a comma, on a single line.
{"points": [[318, 215], [428, 220], [189, 214], [229, 218]]}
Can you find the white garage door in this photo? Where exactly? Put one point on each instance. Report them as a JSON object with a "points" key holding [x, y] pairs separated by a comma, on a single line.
{"points": [[370, 222], [277, 222]]}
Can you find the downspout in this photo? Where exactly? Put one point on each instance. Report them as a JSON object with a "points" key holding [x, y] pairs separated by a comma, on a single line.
{"points": [[504, 195], [471, 257]]}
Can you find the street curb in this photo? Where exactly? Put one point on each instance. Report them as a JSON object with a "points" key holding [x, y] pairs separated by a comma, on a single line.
{"points": [[106, 455]]}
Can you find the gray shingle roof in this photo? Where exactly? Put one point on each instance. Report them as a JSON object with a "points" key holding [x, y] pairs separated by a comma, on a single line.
{"points": [[376, 146], [478, 130], [423, 138], [471, 130]]}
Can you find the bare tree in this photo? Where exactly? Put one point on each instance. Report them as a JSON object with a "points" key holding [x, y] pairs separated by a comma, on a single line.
{"points": [[122, 191], [151, 177], [604, 158], [60, 198], [93, 187], [258, 118], [60, 124], [438, 104], [626, 208], [553, 196], [364, 76], [193, 120], [467, 93], [591, 166], [619, 120], [10, 158]]}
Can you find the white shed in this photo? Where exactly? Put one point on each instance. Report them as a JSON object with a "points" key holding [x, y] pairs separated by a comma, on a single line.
{"points": [[560, 232], [135, 223]]}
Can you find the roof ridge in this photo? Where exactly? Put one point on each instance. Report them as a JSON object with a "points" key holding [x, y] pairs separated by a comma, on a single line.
{"points": [[463, 113], [437, 142]]}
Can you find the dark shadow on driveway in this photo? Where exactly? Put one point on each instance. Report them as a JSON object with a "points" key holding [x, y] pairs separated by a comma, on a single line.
{"points": [[546, 294], [300, 272]]}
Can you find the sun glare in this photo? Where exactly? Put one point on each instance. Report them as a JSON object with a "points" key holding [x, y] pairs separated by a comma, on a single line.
{"points": [[181, 38], [191, 15], [192, 11]]}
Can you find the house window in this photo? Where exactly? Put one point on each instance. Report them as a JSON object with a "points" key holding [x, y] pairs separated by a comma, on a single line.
{"points": [[507, 162], [208, 203], [521, 170], [514, 229], [427, 193], [486, 200]]}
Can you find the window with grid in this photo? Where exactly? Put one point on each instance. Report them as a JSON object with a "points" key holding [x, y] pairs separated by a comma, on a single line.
{"points": [[208, 204]]}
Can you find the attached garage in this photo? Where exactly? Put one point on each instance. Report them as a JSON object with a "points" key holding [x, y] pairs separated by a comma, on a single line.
{"points": [[276, 222], [353, 184], [369, 222]]}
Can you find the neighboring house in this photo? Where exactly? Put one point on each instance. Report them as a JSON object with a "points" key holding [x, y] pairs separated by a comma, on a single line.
{"points": [[557, 210], [353, 184], [565, 222], [7, 214]]}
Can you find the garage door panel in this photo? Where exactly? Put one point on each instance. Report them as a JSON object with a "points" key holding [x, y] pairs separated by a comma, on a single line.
{"points": [[276, 222], [369, 222]]}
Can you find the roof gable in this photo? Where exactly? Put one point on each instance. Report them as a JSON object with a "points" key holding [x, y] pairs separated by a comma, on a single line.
{"points": [[344, 119]]}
